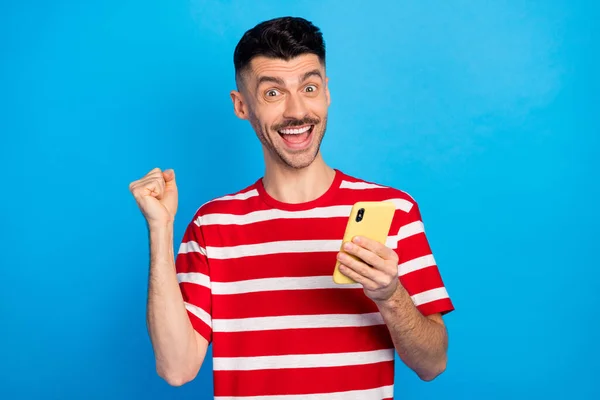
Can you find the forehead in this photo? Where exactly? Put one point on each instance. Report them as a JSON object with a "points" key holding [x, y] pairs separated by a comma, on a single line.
{"points": [[286, 70]]}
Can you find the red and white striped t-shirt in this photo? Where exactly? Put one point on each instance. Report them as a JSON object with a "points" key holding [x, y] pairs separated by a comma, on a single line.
{"points": [[256, 278]]}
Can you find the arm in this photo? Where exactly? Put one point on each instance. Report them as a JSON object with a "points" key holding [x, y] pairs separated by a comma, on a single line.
{"points": [[407, 288], [179, 350], [421, 342]]}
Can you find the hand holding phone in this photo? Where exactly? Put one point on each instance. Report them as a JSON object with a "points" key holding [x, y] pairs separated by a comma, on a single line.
{"points": [[370, 219]]}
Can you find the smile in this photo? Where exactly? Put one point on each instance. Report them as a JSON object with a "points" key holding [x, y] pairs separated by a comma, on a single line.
{"points": [[295, 131], [297, 137]]}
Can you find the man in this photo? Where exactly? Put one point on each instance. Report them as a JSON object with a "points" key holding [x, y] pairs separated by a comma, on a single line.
{"points": [[253, 274]]}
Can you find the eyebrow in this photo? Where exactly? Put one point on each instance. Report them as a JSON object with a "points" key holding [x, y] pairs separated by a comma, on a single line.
{"points": [[279, 81], [314, 72], [271, 79]]}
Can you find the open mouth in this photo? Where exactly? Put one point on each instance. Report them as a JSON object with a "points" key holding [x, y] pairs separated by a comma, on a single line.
{"points": [[297, 136]]}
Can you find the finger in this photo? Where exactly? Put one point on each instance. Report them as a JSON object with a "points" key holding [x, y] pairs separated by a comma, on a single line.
{"points": [[374, 246], [158, 178], [358, 278], [153, 190], [153, 172], [169, 178], [359, 267], [168, 175], [153, 186], [367, 256], [150, 186]]}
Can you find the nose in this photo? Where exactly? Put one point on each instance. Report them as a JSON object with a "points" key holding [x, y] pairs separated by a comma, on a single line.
{"points": [[295, 107]]}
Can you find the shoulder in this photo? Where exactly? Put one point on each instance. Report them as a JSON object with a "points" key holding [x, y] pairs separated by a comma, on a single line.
{"points": [[231, 203], [378, 191]]}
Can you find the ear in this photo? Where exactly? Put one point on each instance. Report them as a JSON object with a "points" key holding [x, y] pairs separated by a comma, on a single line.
{"points": [[327, 91], [239, 107]]}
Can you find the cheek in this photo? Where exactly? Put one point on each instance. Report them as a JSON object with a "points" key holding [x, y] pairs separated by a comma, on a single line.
{"points": [[319, 105], [269, 117]]}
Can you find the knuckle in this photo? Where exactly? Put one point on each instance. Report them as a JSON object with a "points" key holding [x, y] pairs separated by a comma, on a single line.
{"points": [[154, 172], [383, 281]]}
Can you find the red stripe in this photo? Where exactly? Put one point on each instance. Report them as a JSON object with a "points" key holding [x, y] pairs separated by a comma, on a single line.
{"points": [[422, 280], [302, 341], [191, 262], [194, 233], [273, 266], [234, 207], [200, 327], [197, 295], [292, 302], [330, 228], [443, 306], [276, 231], [413, 247], [343, 197], [303, 380]]}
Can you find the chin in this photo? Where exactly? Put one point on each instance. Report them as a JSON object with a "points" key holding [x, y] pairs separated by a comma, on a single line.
{"points": [[299, 160]]}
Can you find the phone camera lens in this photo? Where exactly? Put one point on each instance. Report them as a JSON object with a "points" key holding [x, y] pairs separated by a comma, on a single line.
{"points": [[360, 215]]}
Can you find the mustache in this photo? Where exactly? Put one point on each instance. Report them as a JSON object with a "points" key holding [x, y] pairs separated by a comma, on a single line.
{"points": [[290, 123]]}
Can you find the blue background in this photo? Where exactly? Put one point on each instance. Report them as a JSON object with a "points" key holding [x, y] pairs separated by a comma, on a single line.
{"points": [[485, 112]]}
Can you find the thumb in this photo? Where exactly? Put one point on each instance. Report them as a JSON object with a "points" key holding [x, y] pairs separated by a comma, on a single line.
{"points": [[169, 177], [169, 199]]}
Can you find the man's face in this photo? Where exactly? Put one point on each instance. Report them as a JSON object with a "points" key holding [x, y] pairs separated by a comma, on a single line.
{"points": [[286, 102]]}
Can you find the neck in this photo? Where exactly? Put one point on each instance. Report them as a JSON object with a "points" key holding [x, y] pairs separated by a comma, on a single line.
{"points": [[294, 186]]}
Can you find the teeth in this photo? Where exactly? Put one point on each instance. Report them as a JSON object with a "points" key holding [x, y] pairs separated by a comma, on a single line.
{"points": [[295, 131]]}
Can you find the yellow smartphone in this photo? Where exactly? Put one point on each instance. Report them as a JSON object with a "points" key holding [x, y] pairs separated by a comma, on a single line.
{"points": [[371, 219]]}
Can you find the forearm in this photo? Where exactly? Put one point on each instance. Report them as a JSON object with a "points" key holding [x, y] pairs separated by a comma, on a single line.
{"points": [[420, 342], [176, 347]]}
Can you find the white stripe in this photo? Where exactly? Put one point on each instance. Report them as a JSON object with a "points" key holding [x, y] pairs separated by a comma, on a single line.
{"points": [[429, 296], [239, 196], [411, 229], [379, 393], [290, 246], [405, 231], [200, 313], [271, 284], [297, 322], [272, 214], [416, 264], [342, 211], [191, 247], [360, 185], [194, 277], [302, 360], [402, 204], [392, 242]]}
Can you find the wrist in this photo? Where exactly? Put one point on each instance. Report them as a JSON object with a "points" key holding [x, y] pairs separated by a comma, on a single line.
{"points": [[394, 300], [160, 226], [161, 241]]}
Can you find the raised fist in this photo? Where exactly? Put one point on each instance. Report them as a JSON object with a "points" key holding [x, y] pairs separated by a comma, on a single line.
{"points": [[156, 196]]}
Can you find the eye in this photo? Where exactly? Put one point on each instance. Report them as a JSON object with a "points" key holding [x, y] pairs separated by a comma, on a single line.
{"points": [[272, 93], [311, 88]]}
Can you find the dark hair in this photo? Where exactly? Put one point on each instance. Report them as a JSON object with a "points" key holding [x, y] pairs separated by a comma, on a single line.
{"points": [[284, 38]]}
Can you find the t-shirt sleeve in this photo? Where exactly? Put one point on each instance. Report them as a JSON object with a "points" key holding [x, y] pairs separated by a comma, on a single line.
{"points": [[193, 275], [417, 269]]}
